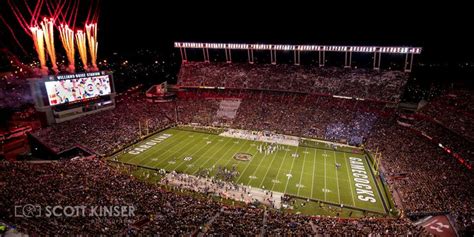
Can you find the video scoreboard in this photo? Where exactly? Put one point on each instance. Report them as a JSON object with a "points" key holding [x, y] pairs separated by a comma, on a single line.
{"points": [[79, 88], [68, 96]]}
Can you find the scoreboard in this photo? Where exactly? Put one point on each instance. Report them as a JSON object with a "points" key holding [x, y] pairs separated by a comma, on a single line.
{"points": [[65, 97], [80, 89]]}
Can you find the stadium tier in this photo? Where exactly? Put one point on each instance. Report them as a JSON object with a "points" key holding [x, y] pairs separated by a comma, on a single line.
{"points": [[108, 131], [454, 110], [357, 83]]}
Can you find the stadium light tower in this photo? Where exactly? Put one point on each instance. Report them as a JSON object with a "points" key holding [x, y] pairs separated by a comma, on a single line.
{"points": [[297, 49]]}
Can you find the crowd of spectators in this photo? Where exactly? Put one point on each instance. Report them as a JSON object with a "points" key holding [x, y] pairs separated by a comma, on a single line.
{"points": [[287, 224], [359, 83], [315, 116], [107, 131], [454, 110], [439, 134], [427, 179], [156, 209], [199, 111], [240, 221], [355, 130], [329, 118], [93, 183]]}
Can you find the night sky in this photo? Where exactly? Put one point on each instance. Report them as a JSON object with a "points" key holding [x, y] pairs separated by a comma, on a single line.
{"points": [[443, 31], [436, 29]]}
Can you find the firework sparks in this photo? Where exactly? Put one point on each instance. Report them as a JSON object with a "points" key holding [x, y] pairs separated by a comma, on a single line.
{"points": [[65, 12], [91, 30], [67, 38], [47, 26], [82, 47], [38, 40]]}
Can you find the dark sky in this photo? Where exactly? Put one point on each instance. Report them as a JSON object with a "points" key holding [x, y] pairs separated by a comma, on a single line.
{"points": [[443, 30]]}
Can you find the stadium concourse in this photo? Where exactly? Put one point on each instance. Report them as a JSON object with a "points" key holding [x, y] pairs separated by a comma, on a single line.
{"points": [[424, 179]]}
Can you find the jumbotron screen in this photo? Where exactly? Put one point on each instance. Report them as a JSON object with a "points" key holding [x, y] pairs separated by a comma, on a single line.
{"points": [[71, 90]]}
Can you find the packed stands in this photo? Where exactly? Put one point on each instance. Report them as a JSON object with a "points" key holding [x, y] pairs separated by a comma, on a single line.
{"points": [[294, 114], [157, 210], [439, 134], [426, 178], [359, 83], [107, 131], [454, 110]]}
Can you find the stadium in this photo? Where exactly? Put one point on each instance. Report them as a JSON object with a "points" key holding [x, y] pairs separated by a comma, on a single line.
{"points": [[236, 139]]}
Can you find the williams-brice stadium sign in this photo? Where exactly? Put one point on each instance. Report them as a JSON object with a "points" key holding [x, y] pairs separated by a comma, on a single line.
{"points": [[77, 75]]}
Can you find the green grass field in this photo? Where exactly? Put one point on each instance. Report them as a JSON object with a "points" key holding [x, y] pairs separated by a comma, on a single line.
{"points": [[312, 175]]}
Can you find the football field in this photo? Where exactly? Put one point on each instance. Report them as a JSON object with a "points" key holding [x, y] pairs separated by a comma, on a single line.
{"points": [[327, 175]]}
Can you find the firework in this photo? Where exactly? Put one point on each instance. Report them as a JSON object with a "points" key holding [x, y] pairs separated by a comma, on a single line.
{"points": [[47, 26], [38, 40], [41, 30], [31, 28], [82, 47], [91, 30], [67, 38]]}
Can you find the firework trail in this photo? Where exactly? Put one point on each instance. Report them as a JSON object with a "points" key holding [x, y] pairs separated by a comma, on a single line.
{"points": [[67, 38], [82, 47], [63, 15], [47, 26], [91, 30], [38, 40]]}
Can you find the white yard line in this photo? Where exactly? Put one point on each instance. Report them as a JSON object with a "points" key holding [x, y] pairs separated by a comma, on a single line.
{"points": [[225, 154], [248, 165], [253, 174], [325, 187], [350, 180], [291, 169], [337, 178], [246, 151], [314, 171], [173, 153], [184, 162], [268, 169], [278, 172], [212, 156], [153, 153], [302, 170]]}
